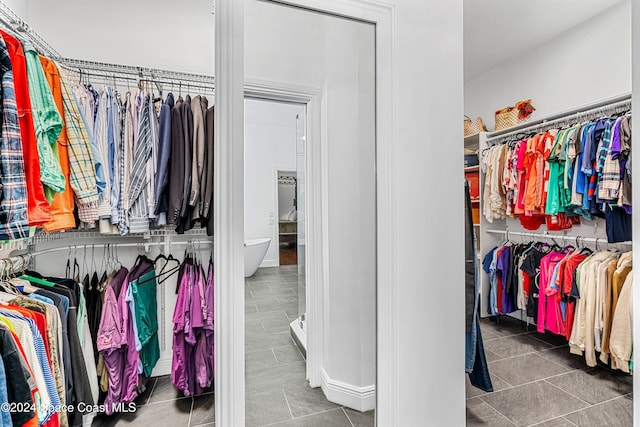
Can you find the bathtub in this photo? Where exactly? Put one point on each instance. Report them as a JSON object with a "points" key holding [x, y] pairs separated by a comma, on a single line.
{"points": [[254, 252]]}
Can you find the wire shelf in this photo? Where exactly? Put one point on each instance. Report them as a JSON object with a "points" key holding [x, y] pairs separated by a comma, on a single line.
{"points": [[72, 235]]}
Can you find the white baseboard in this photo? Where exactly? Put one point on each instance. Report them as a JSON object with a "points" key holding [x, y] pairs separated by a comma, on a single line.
{"points": [[269, 263], [163, 367], [358, 398]]}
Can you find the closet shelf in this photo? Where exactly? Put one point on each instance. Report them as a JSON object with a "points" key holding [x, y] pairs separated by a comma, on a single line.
{"points": [[472, 141], [475, 168], [73, 235]]}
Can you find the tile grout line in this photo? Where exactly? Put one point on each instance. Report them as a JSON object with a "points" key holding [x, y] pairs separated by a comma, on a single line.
{"points": [[151, 392], [571, 394], [498, 412], [524, 354], [589, 404], [551, 419], [287, 401], [588, 407], [302, 417], [348, 418], [191, 411], [527, 383]]}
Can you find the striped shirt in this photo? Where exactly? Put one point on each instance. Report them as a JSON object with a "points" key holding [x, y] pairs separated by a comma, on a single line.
{"points": [[13, 190], [115, 123], [138, 204], [100, 137], [81, 163]]}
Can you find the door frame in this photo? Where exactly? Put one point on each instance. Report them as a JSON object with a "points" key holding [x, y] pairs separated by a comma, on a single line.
{"points": [[276, 193], [229, 205], [316, 267]]}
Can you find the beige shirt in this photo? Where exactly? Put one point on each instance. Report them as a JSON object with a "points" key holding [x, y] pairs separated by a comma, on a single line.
{"points": [[621, 329]]}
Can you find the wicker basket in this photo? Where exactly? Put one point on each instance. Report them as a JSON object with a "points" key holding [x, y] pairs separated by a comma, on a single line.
{"points": [[473, 127], [512, 116]]}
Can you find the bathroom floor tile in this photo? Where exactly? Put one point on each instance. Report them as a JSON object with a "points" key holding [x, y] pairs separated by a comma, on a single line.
{"points": [[523, 369], [532, 403], [480, 413], [617, 412], [515, 345], [594, 385]]}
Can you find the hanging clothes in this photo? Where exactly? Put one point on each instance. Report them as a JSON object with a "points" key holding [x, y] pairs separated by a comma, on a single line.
{"points": [[562, 176], [192, 363], [62, 204], [39, 211], [13, 201]]}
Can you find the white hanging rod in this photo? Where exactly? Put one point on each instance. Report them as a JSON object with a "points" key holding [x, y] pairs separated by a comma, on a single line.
{"points": [[141, 245], [141, 73], [588, 112], [563, 237], [20, 262], [176, 85]]}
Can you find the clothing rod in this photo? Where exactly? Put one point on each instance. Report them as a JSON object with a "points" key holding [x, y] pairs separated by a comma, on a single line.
{"points": [[532, 235], [144, 245], [576, 115], [108, 78], [143, 73]]}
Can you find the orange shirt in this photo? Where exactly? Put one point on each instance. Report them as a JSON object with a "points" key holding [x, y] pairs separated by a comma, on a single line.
{"points": [[62, 204]]}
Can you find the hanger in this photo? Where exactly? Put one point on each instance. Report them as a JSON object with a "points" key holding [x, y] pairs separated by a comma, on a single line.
{"points": [[37, 280], [163, 275]]}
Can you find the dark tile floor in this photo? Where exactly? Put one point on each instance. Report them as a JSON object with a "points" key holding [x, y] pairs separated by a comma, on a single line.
{"points": [[163, 405], [277, 393], [276, 387], [538, 382]]}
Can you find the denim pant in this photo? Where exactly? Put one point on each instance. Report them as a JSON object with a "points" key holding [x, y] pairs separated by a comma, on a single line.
{"points": [[475, 359]]}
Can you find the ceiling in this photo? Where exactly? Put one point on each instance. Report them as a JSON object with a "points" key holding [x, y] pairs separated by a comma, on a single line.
{"points": [[495, 30]]}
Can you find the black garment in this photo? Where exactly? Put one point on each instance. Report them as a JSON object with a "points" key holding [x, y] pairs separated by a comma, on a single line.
{"points": [[207, 193], [18, 378], [187, 129], [207, 209], [81, 387], [93, 297], [618, 224], [66, 351], [531, 266], [176, 171], [469, 263]]}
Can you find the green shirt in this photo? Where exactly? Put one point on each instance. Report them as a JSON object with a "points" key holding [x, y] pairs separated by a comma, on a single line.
{"points": [[48, 124]]}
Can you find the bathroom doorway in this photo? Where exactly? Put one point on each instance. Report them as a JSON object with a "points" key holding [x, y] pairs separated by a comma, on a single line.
{"points": [[287, 217]]}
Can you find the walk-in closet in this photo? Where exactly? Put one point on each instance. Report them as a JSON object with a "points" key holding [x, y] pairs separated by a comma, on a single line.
{"points": [[552, 221], [107, 223]]}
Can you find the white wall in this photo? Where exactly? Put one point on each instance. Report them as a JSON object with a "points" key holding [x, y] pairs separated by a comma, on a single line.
{"points": [[152, 33], [585, 64], [269, 146], [297, 47], [429, 194]]}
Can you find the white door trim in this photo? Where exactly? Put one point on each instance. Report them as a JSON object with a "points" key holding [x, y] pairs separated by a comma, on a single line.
{"points": [[316, 266], [383, 16], [229, 209]]}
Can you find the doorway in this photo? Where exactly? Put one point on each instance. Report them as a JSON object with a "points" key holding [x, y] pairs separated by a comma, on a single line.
{"points": [[287, 217]]}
